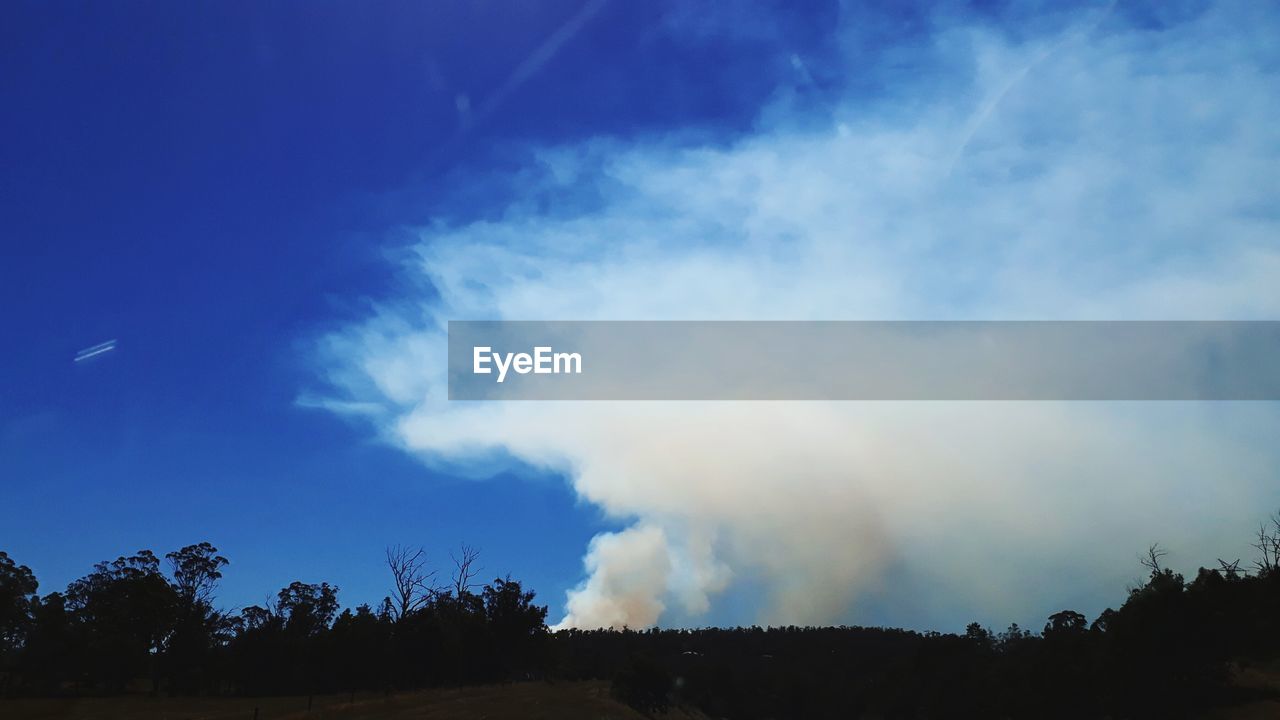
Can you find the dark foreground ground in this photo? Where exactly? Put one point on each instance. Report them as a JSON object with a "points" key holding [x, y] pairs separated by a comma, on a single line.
{"points": [[531, 701], [535, 701]]}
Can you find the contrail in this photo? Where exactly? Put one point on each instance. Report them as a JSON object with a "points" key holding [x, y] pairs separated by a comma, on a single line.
{"points": [[98, 349], [985, 111], [539, 57], [530, 66]]}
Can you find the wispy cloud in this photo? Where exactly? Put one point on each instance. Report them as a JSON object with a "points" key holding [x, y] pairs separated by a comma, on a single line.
{"points": [[1129, 173]]}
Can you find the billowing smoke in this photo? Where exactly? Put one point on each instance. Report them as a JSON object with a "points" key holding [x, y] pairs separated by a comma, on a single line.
{"points": [[1106, 171]]}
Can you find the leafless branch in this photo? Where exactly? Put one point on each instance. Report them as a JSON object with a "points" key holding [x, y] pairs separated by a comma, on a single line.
{"points": [[412, 582], [465, 569], [1152, 559], [1268, 546]]}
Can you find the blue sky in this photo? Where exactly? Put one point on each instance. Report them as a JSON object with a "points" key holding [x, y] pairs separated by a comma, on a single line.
{"points": [[269, 205], [213, 184]]}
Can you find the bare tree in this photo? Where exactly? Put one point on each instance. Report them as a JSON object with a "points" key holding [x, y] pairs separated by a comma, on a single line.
{"points": [[465, 569], [412, 581], [1268, 546], [1152, 559]]}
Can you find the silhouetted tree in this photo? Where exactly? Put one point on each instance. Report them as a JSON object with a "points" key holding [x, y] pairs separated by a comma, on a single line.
{"points": [[359, 645], [196, 570], [1268, 546], [17, 603], [124, 614], [979, 635], [517, 628], [464, 563], [199, 629], [1151, 560], [411, 581], [307, 609], [1066, 624]]}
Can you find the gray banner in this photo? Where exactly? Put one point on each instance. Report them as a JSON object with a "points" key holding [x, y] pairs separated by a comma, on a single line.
{"points": [[855, 360]]}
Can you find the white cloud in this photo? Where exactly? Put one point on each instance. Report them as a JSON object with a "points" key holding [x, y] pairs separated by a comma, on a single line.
{"points": [[1122, 173]]}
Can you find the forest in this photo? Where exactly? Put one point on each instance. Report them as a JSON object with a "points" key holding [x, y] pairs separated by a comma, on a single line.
{"points": [[146, 624]]}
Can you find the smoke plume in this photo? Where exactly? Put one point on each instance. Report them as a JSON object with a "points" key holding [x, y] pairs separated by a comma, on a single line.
{"points": [[1104, 170]]}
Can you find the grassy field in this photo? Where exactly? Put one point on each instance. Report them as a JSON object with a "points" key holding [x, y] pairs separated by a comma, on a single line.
{"points": [[1261, 677], [523, 701], [535, 701]]}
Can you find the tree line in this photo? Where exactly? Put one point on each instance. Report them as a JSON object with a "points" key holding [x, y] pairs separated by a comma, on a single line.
{"points": [[142, 623], [1173, 649], [137, 624]]}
